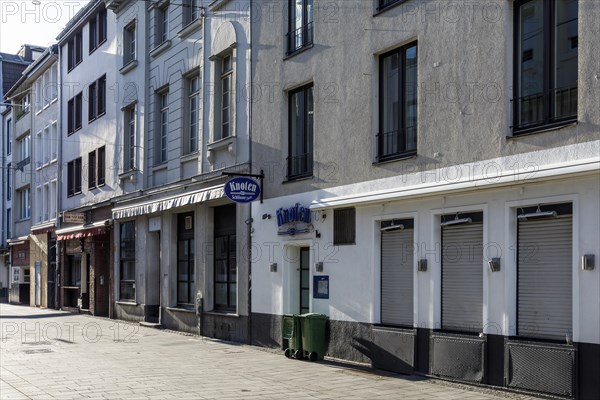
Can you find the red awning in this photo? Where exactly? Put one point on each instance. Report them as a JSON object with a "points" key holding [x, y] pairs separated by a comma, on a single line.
{"points": [[81, 234]]}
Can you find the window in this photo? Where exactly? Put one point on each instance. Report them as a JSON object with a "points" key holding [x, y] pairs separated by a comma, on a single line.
{"points": [[382, 4], [301, 110], [23, 105], [344, 226], [186, 287], [74, 112], [397, 103], [546, 56], [8, 136], [97, 99], [226, 96], [225, 258], [53, 84], [25, 203], [8, 181], [127, 261], [52, 205], [96, 164], [129, 139], [191, 11], [97, 28], [300, 34], [8, 222], [24, 147], [162, 24], [39, 149], [74, 177], [193, 103], [163, 126], [53, 141], [129, 43], [74, 51]]}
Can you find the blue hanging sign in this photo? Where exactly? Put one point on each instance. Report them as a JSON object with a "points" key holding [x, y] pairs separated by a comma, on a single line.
{"points": [[242, 190]]}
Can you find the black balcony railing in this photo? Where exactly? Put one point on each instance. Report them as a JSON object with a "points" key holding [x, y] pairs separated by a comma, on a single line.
{"points": [[397, 144], [300, 166], [300, 38], [545, 108]]}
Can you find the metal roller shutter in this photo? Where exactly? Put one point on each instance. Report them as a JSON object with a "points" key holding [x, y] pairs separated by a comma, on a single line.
{"points": [[545, 277], [397, 277], [462, 277]]}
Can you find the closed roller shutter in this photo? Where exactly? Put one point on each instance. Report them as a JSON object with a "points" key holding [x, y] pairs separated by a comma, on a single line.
{"points": [[545, 277], [462, 277], [397, 277]]}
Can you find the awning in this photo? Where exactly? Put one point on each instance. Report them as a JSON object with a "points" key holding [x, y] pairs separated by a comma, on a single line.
{"points": [[150, 207], [17, 241], [81, 231], [41, 229]]}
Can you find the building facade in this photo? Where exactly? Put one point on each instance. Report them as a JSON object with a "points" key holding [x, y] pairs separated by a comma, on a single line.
{"points": [[439, 202], [11, 68], [39, 83], [88, 152], [181, 260]]}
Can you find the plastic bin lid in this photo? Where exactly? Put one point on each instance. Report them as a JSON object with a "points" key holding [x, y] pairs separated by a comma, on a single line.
{"points": [[314, 316]]}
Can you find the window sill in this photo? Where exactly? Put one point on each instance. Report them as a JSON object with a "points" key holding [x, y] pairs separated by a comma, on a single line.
{"points": [[298, 179], [127, 176], [228, 143], [159, 167], [96, 117], [381, 10], [400, 157], [181, 309], [164, 46], [216, 4], [190, 28], [126, 303], [128, 67], [189, 157], [217, 313], [541, 129], [298, 51], [97, 46]]}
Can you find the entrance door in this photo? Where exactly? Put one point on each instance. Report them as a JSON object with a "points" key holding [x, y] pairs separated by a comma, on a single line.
{"points": [[304, 280], [38, 283], [51, 292]]}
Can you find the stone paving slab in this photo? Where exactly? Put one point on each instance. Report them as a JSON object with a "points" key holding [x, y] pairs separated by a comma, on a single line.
{"points": [[46, 354]]}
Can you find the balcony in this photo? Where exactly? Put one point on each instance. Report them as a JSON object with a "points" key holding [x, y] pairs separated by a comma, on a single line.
{"points": [[401, 143], [300, 166], [543, 110]]}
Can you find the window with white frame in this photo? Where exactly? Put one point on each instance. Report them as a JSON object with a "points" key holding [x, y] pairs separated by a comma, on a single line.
{"points": [[224, 96], [162, 24], [52, 200], [162, 128], [53, 146], [24, 196], [24, 148], [191, 11], [45, 202], [129, 139], [193, 111], [39, 209], [129, 43], [39, 145]]}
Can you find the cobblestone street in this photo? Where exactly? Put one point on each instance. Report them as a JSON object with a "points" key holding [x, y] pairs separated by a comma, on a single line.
{"points": [[49, 354]]}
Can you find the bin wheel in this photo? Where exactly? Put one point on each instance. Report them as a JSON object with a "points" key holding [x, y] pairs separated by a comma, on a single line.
{"points": [[288, 353], [312, 356], [298, 355]]}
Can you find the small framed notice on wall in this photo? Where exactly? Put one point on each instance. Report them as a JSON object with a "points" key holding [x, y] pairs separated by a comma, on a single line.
{"points": [[321, 287]]}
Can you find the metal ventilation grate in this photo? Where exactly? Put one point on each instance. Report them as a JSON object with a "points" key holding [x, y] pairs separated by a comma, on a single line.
{"points": [[457, 357], [541, 368]]}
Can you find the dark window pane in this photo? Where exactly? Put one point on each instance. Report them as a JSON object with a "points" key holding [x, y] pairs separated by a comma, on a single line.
{"points": [[344, 226]]}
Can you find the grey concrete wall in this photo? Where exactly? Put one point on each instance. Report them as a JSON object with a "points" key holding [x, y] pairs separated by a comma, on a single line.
{"points": [[465, 64]]}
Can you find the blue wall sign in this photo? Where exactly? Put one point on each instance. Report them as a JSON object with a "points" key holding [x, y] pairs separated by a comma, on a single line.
{"points": [[294, 220], [242, 190]]}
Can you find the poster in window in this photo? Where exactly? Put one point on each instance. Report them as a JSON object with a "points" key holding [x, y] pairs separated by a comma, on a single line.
{"points": [[321, 287]]}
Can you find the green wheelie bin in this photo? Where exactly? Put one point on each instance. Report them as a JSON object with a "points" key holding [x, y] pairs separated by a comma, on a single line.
{"points": [[291, 332], [314, 341]]}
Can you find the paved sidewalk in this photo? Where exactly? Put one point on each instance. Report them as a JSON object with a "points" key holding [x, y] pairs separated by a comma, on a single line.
{"points": [[48, 354]]}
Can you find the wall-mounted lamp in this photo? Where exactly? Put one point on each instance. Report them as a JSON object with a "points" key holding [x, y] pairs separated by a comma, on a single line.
{"points": [[537, 214], [422, 265], [273, 267], [249, 221], [457, 221], [319, 267], [494, 264], [266, 216], [587, 262]]}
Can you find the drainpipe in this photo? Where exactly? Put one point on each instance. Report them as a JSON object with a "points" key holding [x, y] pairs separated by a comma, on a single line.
{"points": [[59, 181], [250, 100]]}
